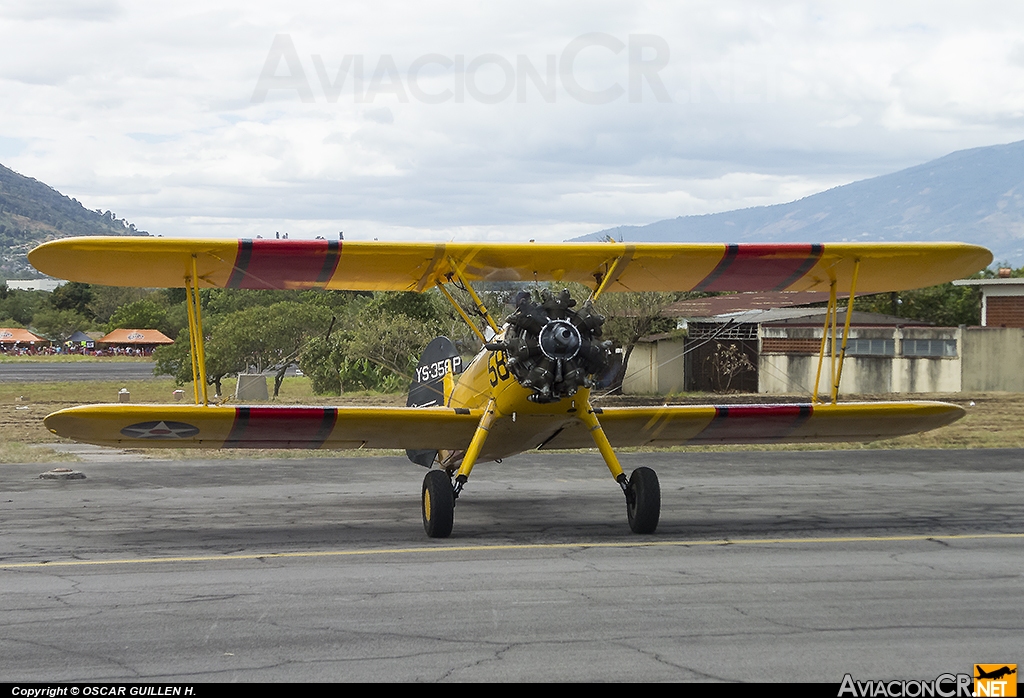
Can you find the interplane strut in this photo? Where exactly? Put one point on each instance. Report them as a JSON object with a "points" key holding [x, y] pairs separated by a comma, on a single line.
{"points": [[194, 309], [831, 325]]}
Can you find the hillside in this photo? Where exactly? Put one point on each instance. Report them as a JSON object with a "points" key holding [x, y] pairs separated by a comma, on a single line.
{"points": [[31, 213], [972, 196]]}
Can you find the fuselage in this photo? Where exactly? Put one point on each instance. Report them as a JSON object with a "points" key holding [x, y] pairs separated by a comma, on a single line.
{"points": [[522, 424]]}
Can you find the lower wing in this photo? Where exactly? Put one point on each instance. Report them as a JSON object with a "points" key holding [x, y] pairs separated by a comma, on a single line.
{"points": [[683, 425], [188, 426]]}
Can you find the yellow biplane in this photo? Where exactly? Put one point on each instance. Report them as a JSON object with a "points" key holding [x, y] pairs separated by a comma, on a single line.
{"points": [[529, 387]]}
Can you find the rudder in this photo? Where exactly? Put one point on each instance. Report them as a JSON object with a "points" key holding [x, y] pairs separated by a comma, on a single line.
{"points": [[427, 389]]}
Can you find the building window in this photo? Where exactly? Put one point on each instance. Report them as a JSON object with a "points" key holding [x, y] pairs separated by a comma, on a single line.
{"points": [[704, 330], [929, 347], [870, 347]]}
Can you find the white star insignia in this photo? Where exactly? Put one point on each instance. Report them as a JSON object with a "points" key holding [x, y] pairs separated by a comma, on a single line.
{"points": [[160, 430]]}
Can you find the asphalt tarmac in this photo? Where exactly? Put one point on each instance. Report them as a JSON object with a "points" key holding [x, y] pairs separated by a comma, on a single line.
{"points": [[85, 371], [76, 371], [766, 567]]}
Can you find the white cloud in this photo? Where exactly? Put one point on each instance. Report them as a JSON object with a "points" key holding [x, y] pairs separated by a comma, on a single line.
{"points": [[61, 10], [146, 109]]}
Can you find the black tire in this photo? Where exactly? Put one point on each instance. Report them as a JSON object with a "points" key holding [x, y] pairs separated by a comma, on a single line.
{"points": [[643, 501], [438, 504]]}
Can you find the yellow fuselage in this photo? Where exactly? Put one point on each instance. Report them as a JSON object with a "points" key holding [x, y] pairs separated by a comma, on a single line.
{"points": [[522, 424]]}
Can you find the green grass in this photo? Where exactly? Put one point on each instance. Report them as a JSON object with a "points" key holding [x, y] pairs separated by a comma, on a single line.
{"points": [[24, 405], [14, 452]]}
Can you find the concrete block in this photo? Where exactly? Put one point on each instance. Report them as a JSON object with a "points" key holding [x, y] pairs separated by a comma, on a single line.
{"points": [[251, 387]]}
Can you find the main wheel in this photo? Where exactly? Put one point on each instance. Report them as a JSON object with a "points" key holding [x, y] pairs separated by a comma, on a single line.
{"points": [[438, 504], [643, 501]]}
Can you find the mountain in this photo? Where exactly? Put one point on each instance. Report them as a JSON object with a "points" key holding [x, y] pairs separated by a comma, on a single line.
{"points": [[31, 213], [972, 195]]}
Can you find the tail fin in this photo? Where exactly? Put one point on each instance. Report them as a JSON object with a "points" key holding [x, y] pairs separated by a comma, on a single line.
{"points": [[440, 360]]}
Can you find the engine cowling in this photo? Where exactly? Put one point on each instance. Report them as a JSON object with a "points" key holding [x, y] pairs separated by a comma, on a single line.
{"points": [[552, 349]]}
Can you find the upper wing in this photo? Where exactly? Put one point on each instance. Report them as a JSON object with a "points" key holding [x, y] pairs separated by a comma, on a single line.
{"points": [[189, 426], [405, 266], [681, 425]]}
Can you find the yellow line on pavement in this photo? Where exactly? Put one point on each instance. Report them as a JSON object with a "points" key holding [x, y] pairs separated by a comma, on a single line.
{"points": [[510, 546]]}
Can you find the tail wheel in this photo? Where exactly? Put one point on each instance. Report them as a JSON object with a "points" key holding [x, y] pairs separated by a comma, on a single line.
{"points": [[643, 501], [438, 504]]}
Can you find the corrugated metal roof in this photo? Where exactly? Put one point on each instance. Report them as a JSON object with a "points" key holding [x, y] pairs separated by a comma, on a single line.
{"points": [[810, 316], [740, 302]]}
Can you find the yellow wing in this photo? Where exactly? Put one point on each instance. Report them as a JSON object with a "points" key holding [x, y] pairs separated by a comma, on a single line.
{"points": [[760, 424], [190, 426], [392, 266], [186, 426]]}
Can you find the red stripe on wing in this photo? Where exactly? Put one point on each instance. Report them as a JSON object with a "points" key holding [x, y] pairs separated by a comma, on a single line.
{"points": [[281, 427], [761, 267], [284, 264], [753, 423]]}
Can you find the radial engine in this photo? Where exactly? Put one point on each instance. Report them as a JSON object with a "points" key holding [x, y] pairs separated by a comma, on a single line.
{"points": [[552, 349]]}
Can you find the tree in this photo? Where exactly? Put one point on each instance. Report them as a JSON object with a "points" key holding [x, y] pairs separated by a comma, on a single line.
{"points": [[222, 301], [379, 340], [254, 339], [728, 361], [377, 352], [945, 305], [58, 325], [175, 360], [321, 362], [630, 316], [140, 315], [22, 306], [73, 296], [106, 300], [426, 307]]}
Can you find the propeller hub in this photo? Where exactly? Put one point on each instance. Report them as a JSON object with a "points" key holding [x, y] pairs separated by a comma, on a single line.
{"points": [[560, 340]]}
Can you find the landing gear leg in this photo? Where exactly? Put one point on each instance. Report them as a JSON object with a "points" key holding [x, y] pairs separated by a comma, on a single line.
{"points": [[439, 493], [643, 493]]}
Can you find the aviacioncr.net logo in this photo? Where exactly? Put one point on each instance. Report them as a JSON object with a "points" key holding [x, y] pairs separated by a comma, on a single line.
{"points": [[995, 680], [943, 686]]}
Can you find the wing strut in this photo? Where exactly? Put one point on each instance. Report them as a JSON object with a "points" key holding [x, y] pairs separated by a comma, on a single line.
{"points": [[195, 335], [606, 279], [465, 316], [480, 307], [831, 325]]}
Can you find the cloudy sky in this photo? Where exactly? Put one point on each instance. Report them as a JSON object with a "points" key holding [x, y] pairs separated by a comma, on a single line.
{"points": [[483, 120]]}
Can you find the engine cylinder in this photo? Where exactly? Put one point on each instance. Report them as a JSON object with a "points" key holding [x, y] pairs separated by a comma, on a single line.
{"points": [[552, 349]]}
